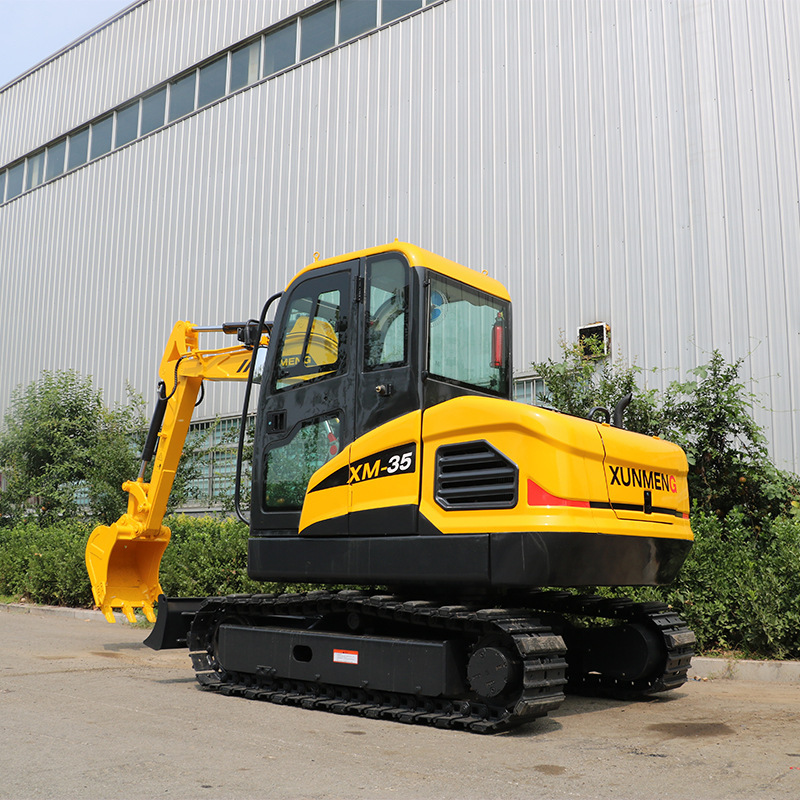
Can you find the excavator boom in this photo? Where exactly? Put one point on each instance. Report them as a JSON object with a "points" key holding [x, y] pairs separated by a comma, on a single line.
{"points": [[123, 558]]}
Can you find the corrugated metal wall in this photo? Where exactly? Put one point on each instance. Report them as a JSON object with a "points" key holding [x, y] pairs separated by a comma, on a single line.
{"points": [[631, 162], [152, 40]]}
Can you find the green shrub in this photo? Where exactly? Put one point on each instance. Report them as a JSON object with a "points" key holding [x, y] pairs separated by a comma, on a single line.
{"points": [[741, 591], [45, 565], [206, 557], [736, 591], [710, 416], [579, 382], [65, 455], [60, 441]]}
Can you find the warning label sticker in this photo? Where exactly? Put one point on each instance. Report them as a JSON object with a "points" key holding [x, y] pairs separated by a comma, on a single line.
{"points": [[345, 656]]}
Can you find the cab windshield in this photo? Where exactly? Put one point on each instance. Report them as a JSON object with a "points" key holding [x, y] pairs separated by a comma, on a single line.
{"points": [[467, 341]]}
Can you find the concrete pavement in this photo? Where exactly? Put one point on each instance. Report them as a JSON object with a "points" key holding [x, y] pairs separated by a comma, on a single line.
{"points": [[89, 712]]}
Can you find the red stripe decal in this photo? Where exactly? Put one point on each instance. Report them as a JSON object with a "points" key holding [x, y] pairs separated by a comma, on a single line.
{"points": [[539, 497]]}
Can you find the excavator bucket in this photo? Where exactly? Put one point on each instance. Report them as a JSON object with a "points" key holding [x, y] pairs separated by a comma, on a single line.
{"points": [[123, 568]]}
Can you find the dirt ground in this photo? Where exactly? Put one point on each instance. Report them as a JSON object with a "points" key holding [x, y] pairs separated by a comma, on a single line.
{"points": [[89, 712]]}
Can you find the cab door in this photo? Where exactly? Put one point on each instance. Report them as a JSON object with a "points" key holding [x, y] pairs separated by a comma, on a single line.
{"points": [[389, 372], [308, 396], [385, 458]]}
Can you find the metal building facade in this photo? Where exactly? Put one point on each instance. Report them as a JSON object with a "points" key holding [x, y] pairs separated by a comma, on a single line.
{"points": [[629, 162]]}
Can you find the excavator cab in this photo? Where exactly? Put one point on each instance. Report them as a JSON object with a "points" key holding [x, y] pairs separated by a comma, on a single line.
{"points": [[357, 343], [397, 336]]}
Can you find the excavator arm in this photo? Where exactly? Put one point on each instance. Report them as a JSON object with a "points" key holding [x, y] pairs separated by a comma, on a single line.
{"points": [[123, 558]]}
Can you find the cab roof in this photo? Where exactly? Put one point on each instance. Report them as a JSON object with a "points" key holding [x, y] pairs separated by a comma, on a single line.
{"points": [[419, 257]]}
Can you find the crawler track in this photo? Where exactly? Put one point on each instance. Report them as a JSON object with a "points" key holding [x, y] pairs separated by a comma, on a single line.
{"points": [[676, 639], [537, 652], [524, 632]]}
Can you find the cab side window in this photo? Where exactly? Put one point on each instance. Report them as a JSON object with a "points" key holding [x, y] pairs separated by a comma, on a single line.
{"points": [[289, 468], [386, 335], [312, 342]]}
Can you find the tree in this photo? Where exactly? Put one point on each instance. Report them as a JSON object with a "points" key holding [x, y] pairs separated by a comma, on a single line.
{"points": [[729, 464], [584, 379], [709, 415], [60, 443]]}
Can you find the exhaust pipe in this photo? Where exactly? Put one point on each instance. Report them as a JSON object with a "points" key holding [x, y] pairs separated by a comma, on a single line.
{"points": [[619, 410]]}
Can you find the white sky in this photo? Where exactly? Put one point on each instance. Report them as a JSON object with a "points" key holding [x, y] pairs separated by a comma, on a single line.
{"points": [[32, 30]]}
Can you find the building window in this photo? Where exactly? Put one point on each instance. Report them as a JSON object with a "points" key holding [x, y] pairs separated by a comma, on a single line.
{"points": [[214, 487], [213, 78], [78, 149], [529, 389], [153, 108], [35, 174], [280, 49], [244, 65], [356, 17], [127, 124], [303, 36], [181, 96], [393, 9], [14, 180], [318, 31], [101, 137], [56, 157]]}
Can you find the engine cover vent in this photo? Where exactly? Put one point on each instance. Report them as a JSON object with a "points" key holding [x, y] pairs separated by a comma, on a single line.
{"points": [[473, 475]]}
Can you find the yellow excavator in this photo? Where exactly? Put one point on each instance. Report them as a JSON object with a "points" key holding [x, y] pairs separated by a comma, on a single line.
{"points": [[388, 453]]}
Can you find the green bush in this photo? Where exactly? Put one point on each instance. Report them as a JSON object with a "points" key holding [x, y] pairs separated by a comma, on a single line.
{"points": [[65, 455], [45, 565], [710, 416], [578, 383], [736, 591], [739, 591], [206, 557], [59, 441]]}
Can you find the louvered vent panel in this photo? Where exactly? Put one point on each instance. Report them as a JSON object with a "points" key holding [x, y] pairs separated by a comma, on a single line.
{"points": [[473, 475]]}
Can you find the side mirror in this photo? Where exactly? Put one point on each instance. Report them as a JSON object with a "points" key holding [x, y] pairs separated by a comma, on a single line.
{"points": [[261, 357]]}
